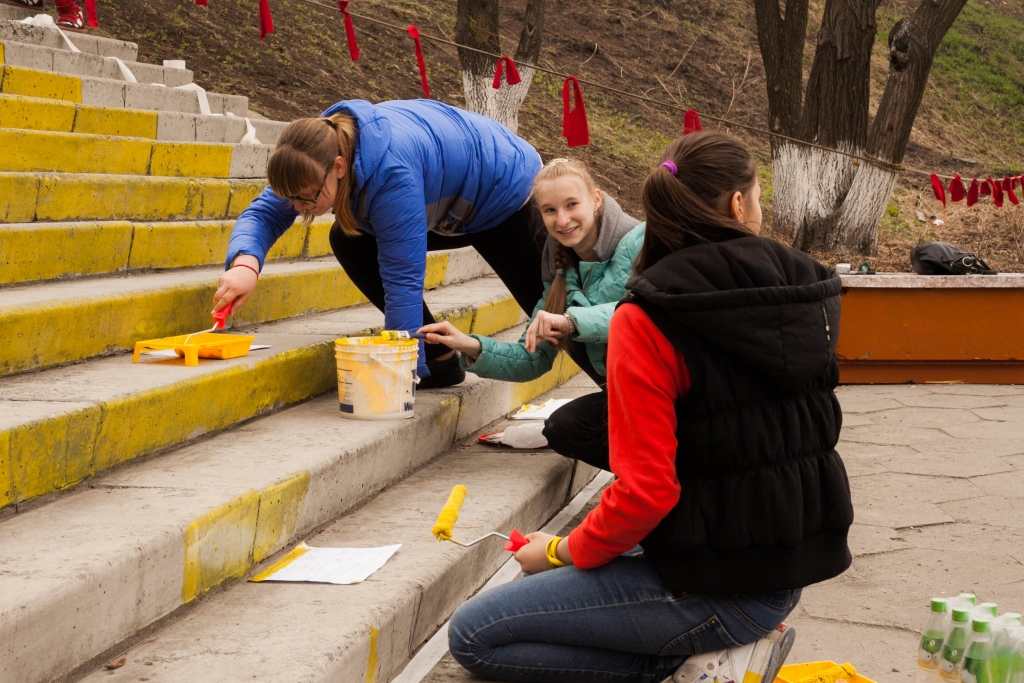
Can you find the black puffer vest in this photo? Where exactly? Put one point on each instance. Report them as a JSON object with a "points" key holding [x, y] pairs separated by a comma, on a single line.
{"points": [[765, 502]]}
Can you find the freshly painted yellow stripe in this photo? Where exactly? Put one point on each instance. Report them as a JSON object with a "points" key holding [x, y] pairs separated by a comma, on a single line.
{"points": [[280, 505], [135, 123], [289, 557], [242, 194], [96, 325], [561, 372], [218, 545], [493, 317], [437, 269], [34, 83], [6, 486], [372, 660], [18, 195], [191, 159], [2, 60], [31, 252], [36, 114], [319, 243], [31, 150], [179, 245]]}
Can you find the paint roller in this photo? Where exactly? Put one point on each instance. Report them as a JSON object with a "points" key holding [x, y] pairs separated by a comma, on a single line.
{"points": [[449, 514]]}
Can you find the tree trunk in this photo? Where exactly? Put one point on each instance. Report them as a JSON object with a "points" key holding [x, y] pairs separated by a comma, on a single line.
{"points": [[781, 39], [477, 26]]}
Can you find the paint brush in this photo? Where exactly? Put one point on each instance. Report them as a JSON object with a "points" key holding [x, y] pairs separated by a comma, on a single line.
{"points": [[449, 514]]}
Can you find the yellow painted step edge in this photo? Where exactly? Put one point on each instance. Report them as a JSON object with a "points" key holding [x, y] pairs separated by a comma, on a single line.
{"points": [[57, 453], [34, 113], [44, 84]]}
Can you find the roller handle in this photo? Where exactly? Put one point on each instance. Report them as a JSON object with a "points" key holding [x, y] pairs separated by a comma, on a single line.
{"points": [[220, 317], [515, 541]]}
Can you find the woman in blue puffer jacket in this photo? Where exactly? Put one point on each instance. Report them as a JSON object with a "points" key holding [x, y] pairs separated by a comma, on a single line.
{"points": [[403, 178], [591, 244]]}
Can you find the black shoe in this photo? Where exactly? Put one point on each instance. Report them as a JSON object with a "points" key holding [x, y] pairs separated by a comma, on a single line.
{"points": [[443, 373]]}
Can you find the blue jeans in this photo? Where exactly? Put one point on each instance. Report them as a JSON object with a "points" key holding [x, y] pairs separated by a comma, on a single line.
{"points": [[610, 624]]}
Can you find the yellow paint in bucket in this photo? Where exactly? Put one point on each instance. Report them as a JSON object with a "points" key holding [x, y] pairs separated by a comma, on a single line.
{"points": [[376, 377]]}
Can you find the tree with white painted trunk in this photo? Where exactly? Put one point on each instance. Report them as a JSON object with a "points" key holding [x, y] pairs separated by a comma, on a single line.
{"points": [[829, 201], [476, 25]]}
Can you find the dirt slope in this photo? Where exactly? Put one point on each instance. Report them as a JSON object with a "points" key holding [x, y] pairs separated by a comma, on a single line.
{"points": [[697, 53]]}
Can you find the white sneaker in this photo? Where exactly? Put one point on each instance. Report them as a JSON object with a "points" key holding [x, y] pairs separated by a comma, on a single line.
{"points": [[757, 662]]}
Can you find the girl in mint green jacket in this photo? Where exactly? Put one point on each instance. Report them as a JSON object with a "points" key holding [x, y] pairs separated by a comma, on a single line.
{"points": [[588, 258]]}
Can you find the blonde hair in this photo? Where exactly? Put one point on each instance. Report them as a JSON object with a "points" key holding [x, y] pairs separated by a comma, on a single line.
{"points": [[564, 257], [305, 151]]}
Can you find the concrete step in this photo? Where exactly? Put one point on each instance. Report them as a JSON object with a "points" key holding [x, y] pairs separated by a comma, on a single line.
{"points": [[49, 324], [107, 92], [47, 151], [36, 113], [32, 252], [63, 425], [47, 37], [31, 197], [95, 567], [64, 61]]}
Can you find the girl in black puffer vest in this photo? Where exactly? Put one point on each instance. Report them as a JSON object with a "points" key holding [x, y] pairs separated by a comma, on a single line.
{"points": [[723, 423]]}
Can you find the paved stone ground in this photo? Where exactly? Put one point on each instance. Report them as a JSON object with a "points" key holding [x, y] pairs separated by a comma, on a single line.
{"points": [[937, 473]]}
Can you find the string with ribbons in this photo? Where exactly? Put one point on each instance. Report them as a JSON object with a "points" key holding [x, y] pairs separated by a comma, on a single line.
{"points": [[574, 121]]}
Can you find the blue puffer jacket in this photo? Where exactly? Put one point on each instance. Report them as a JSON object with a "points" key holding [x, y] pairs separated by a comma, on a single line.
{"points": [[419, 165]]}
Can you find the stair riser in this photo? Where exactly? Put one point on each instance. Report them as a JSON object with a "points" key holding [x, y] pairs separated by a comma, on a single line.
{"points": [[48, 37], [84, 64], [29, 197]]}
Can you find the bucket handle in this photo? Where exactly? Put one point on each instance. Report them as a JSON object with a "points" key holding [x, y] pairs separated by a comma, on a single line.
{"points": [[392, 368]]}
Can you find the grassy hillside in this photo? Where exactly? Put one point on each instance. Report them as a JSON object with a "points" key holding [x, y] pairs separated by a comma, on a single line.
{"points": [[697, 53]]}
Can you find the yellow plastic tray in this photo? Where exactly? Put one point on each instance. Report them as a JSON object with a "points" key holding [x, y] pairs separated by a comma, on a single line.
{"points": [[204, 345], [791, 673]]}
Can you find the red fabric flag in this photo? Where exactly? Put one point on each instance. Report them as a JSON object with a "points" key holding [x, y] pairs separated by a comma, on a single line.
{"points": [[956, 189], [691, 122], [266, 20], [414, 33], [939, 190], [350, 31], [203, 3], [986, 188], [90, 12], [574, 123], [997, 192], [1008, 189], [972, 193], [1014, 182], [512, 77]]}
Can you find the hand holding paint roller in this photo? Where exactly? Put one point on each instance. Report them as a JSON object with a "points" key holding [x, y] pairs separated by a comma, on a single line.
{"points": [[442, 530]]}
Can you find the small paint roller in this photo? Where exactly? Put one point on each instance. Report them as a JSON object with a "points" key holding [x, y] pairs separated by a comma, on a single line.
{"points": [[442, 530], [219, 321], [831, 675]]}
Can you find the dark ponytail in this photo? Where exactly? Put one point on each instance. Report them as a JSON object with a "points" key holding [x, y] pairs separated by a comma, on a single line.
{"points": [[689, 207]]}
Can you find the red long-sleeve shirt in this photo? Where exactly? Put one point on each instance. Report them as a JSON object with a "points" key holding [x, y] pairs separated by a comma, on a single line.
{"points": [[646, 376]]}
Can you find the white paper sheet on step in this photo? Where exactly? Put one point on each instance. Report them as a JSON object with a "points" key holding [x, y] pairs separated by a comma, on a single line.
{"points": [[340, 566], [541, 412]]}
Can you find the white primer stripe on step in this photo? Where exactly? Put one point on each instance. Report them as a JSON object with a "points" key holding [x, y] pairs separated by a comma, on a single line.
{"points": [[430, 654]]}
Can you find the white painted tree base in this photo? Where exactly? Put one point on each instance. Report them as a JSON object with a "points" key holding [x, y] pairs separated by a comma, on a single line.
{"points": [[501, 105]]}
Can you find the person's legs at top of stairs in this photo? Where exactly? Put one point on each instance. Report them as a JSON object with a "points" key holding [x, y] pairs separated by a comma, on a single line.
{"points": [[358, 256]]}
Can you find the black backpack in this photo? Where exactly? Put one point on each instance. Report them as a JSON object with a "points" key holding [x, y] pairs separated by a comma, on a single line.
{"points": [[942, 258]]}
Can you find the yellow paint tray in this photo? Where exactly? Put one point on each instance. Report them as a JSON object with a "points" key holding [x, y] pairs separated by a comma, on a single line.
{"points": [[791, 673], [201, 345]]}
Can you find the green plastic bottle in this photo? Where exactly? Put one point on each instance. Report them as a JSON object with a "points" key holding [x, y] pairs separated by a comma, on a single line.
{"points": [[977, 666], [989, 610], [1004, 642], [953, 650], [932, 635], [969, 598]]}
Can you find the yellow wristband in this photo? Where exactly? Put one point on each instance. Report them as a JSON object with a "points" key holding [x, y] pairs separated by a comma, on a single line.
{"points": [[552, 552]]}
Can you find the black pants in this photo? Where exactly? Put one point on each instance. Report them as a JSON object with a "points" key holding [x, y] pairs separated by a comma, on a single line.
{"points": [[580, 429], [511, 248]]}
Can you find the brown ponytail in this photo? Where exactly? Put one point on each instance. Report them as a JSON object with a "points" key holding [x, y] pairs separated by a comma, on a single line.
{"points": [[305, 151], [686, 208]]}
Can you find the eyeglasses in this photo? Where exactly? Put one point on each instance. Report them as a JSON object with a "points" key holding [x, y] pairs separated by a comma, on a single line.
{"points": [[316, 196]]}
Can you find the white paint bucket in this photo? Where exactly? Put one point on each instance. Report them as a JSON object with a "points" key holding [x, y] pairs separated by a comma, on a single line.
{"points": [[376, 378]]}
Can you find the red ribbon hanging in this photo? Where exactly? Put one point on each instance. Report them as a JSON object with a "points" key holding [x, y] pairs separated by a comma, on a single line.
{"points": [[203, 3], [414, 33], [1014, 182], [1008, 189], [575, 129], [997, 192], [691, 122], [90, 13], [350, 31], [986, 188], [512, 77], [972, 193], [266, 20], [939, 190], [956, 189]]}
